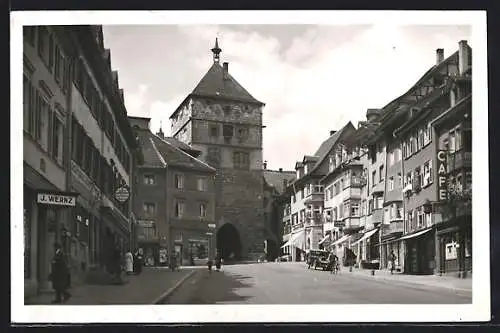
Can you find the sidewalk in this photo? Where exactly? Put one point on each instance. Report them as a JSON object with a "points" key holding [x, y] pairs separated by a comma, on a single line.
{"points": [[141, 289], [448, 282]]}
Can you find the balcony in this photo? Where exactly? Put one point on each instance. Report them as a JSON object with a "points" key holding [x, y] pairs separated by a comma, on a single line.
{"points": [[314, 193], [298, 226], [351, 224], [358, 181], [459, 160], [394, 227]]}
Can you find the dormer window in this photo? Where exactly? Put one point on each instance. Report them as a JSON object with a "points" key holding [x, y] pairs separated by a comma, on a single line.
{"points": [[331, 163]]}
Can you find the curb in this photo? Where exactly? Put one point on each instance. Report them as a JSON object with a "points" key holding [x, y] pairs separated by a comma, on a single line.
{"points": [[167, 293], [409, 282]]}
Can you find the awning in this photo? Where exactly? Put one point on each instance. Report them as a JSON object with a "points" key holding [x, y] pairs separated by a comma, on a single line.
{"points": [[285, 245], [297, 240], [324, 239], [367, 234], [341, 240], [416, 234]]}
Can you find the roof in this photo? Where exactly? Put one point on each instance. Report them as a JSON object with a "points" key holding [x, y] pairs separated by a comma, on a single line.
{"points": [[308, 158], [275, 178], [151, 157], [328, 144], [213, 84], [181, 145], [174, 156]]}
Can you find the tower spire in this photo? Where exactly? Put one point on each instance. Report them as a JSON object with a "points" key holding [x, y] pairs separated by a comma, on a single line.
{"points": [[216, 50]]}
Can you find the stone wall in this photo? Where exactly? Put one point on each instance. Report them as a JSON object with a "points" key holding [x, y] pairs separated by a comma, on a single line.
{"points": [[239, 201]]}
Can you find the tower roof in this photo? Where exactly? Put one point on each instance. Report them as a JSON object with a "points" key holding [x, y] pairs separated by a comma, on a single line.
{"points": [[217, 83]]}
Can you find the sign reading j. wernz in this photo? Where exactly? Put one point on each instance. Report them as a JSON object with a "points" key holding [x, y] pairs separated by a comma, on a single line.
{"points": [[56, 199]]}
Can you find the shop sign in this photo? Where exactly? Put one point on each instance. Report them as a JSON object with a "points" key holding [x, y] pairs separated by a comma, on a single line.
{"points": [[68, 200], [122, 194], [442, 175]]}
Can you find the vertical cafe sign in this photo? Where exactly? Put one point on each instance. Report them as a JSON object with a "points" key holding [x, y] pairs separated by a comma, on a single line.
{"points": [[442, 175]]}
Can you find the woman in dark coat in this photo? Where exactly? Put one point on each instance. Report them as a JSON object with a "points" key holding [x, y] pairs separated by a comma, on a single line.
{"points": [[60, 275]]}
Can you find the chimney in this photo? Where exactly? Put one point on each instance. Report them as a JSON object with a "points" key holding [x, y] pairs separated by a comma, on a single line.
{"points": [[225, 67], [265, 165], [463, 57], [280, 169], [439, 56], [332, 132]]}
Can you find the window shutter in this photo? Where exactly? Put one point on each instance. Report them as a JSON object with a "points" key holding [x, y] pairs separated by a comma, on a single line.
{"points": [[431, 174]]}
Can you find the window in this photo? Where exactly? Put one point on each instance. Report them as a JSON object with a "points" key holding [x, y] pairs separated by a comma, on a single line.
{"points": [[241, 160], [214, 131], [391, 158], [381, 173], [179, 181], [400, 180], [227, 131], [391, 183], [59, 67], [57, 139], [342, 183], [179, 208], [341, 211], [374, 173], [331, 163], [41, 125], [370, 206], [420, 218], [334, 214], [44, 45], [202, 184], [427, 135], [29, 33], [405, 150], [149, 209], [346, 210], [331, 192], [420, 138], [428, 220], [355, 209], [213, 156], [397, 154], [451, 142], [203, 209], [149, 179], [427, 180], [458, 139], [242, 134], [29, 111]]}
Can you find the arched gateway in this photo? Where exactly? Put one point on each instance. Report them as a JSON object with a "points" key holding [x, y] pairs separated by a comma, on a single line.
{"points": [[228, 242]]}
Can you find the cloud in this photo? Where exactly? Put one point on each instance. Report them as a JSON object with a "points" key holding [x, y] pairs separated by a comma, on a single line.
{"points": [[313, 79], [137, 102]]}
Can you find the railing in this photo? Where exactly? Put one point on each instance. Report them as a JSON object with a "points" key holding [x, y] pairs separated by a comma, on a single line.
{"points": [[315, 189]]}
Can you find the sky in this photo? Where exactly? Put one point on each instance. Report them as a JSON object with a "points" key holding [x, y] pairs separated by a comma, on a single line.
{"points": [[312, 78]]}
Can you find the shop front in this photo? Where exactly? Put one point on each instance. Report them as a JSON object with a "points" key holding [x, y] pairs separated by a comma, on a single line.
{"points": [[455, 247], [420, 252], [44, 213]]}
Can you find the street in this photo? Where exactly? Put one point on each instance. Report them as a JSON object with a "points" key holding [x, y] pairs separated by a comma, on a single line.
{"points": [[292, 283]]}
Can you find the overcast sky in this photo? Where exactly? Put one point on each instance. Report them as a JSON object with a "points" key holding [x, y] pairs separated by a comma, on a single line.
{"points": [[313, 78]]}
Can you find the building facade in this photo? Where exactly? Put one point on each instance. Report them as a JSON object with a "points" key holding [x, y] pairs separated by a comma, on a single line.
{"points": [[414, 159], [175, 199], [77, 153], [224, 122]]}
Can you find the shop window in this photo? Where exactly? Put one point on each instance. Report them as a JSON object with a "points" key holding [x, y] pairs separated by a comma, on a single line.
{"points": [[149, 209]]}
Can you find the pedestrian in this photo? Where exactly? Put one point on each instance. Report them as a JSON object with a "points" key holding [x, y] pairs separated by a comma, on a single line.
{"points": [[116, 264], [218, 263], [60, 275], [332, 258], [138, 261], [129, 263], [392, 261]]}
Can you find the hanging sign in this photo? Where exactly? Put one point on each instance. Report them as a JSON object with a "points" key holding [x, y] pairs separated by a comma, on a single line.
{"points": [[442, 175], [122, 194]]}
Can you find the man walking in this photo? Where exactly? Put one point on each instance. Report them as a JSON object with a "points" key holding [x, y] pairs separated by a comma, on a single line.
{"points": [[60, 275], [392, 261]]}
